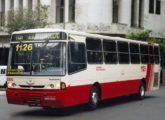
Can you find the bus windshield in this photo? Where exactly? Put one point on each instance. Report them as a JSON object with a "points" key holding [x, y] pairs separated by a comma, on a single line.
{"points": [[37, 59]]}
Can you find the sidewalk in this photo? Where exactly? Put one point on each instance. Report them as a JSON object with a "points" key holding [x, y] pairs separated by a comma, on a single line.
{"points": [[2, 92]]}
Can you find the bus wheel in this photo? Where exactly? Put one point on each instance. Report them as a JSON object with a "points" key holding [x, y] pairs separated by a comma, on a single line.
{"points": [[93, 98], [141, 93]]}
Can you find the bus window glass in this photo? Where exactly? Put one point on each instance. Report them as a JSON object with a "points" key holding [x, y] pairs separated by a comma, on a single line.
{"points": [[76, 61], [134, 53], [144, 54], [109, 45], [110, 58], [94, 51], [144, 59], [110, 54], [134, 48], [156, 55], [144, 49], [37, 59], [123, 58], [123, 52], [77, 52], [93, 44], [156, 50], [151, 52], [122, 47]]}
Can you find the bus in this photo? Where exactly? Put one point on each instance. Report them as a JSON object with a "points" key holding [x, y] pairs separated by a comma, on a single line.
{"points": [[4, 51], [62, 68]]}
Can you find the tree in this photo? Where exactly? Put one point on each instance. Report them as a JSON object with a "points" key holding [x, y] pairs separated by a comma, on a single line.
{"points": [[22, 19], [142, 36]]}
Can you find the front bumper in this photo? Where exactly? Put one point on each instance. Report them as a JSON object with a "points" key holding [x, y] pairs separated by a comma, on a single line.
{"points": [[45, 98]]}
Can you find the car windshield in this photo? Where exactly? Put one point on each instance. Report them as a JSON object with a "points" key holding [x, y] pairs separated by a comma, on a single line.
{"points": [[37, 59]]}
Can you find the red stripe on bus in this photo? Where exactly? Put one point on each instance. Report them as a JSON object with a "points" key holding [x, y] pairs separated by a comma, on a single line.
{"points": [[149, 76], [72, 95]]}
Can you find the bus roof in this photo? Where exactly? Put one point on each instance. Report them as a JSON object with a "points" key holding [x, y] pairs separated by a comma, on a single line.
{"points": [[40, 30]]}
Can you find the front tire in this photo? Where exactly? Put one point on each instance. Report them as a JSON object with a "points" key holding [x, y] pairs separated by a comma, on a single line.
{"points": [[93, 98]]}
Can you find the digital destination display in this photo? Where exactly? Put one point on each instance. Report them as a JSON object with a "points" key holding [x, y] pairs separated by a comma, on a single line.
{"points": [[39, 36]]}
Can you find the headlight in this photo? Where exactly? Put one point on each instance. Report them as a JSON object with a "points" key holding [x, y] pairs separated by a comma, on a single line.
{"points": [[54, 86], [11, 85]]}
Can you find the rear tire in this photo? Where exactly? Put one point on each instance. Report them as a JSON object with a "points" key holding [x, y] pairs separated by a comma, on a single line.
{"points": [[93, 98], [141, 93]]}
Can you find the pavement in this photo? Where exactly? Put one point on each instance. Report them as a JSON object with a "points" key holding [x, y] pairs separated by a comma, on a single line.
{"points": [[2, 91]]}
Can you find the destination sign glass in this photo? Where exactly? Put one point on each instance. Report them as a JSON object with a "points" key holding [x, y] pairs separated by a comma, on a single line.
{"points": [[39, 36]]}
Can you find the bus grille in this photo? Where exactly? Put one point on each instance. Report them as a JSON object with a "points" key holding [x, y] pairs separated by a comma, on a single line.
{"points": [[156, 76], [26, 86], [32, 99]]}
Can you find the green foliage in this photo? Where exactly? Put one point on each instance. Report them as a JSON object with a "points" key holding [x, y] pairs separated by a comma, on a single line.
{"points": [[22, 19], [143, 36]]}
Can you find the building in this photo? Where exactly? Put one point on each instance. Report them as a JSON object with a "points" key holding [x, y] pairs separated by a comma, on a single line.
{"points": [[109, 17], [112, 17]]}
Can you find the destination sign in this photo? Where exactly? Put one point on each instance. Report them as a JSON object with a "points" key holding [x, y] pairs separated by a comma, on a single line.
{"points": [[39, 36]]}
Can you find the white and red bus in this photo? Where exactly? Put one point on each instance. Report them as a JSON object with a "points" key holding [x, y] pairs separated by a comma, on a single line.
{"points": [[61, 68]]}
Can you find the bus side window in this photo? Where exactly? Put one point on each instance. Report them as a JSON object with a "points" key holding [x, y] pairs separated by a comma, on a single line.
{"points": [[134, 53], [76, 55], [123, 52], [156, 54], [144, 54], [94, 51], [151, 54], [110, 54]]}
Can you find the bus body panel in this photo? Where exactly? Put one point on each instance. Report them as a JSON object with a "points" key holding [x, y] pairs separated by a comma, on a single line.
{"points": [[114, 79]]}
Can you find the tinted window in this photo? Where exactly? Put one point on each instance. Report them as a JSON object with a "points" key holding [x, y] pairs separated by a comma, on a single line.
{"points": [[77, 52], [110, 57], [134, 48], [135, 58], [144, 54], [110, 54], [156, 55], [93, 44], [94, 50], [76, 57], [151, 51], [123, 58], [144, 59], [144, 49], [122, 46], [109, 45], [123, 53], [156, 50], [134, 53]]}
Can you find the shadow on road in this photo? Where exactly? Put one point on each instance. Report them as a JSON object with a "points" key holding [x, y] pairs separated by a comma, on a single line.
{"points": [[61, 112]]}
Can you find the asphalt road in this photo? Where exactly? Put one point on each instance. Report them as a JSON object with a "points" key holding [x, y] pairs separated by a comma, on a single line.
{"points": [[151, 108]]}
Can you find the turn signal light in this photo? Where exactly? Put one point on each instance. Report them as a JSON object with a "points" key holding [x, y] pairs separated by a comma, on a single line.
{"points": [[63, 86]]}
